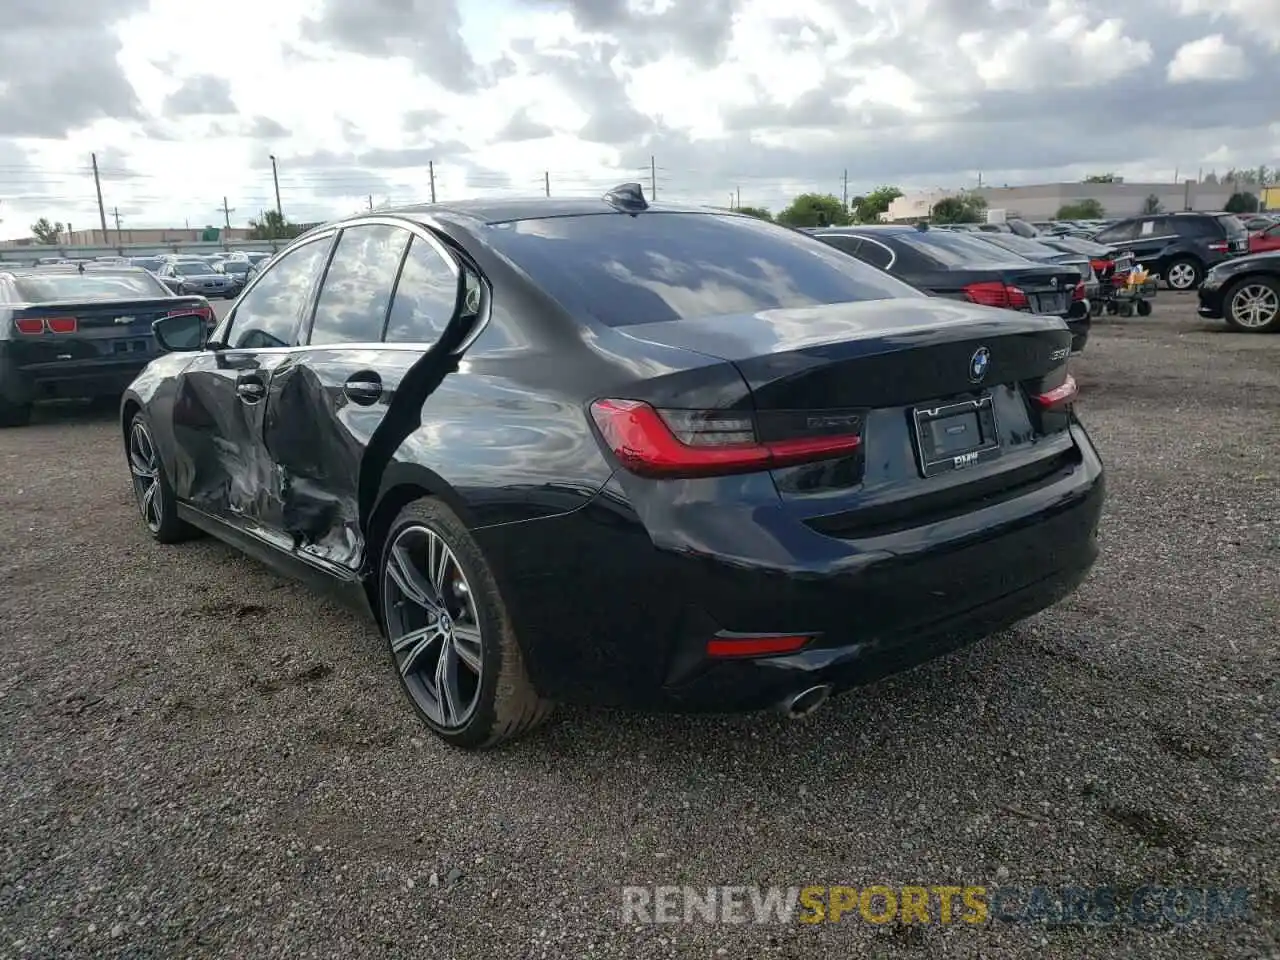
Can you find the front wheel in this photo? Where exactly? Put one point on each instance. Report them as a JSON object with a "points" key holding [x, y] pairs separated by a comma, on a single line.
{"points": [[1253, 305], [451, 640], [151, 490], [1183, 273]]}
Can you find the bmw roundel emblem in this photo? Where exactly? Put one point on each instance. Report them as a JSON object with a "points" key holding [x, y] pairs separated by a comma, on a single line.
{"points": [[978, 364]]}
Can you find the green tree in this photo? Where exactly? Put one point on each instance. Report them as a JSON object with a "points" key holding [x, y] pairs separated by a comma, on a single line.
{"points": [[269, 225], [965, 208], [1245, 202], [46, 232], [1151, 204], [815, 210], [1087, 209], [869, 208], [1101, 178], [759, 213]]}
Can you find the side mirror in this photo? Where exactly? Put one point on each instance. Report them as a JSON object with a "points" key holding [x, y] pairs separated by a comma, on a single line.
{"points": [[181, 332]]}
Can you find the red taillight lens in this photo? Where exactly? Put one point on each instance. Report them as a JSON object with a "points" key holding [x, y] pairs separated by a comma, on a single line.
{"points": [[29, 325], [698, 443], [61, 324], [1078, 292], [996, 294], [1059, 396], [206, 312], [762, 645], [1102, 266]]}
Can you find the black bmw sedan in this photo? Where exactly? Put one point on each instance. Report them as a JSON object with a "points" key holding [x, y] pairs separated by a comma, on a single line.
{"points": [[608, 452]]}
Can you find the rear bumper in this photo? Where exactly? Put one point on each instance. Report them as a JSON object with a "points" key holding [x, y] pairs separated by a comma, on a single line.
{"points": [[81, 378], [606, 617]]}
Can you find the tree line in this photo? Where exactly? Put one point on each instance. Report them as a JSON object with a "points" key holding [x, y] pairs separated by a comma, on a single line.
{"points": [[268, 225]]}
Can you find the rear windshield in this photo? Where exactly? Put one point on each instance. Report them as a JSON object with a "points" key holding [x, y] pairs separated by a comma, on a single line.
{"points": [[1076, 245], [88, 286], [1022, 245], [955, 249], [193, 268], [1233, 225], [234, 266], [657, 267]]}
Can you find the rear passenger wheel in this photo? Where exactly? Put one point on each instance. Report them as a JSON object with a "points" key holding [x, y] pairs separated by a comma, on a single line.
{"points": [[450, 638], [1254, 306], [151, 489], [1183, 274], [14, 414]]}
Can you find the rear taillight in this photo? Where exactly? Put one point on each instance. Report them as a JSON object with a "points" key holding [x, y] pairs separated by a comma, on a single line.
{"points": [[996, 294], [29, 325], [1078, 292], [1059, 396], [702, 443], [206, 312], [61, 324]]}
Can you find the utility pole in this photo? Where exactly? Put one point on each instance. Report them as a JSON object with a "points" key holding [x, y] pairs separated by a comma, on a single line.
{"points": [[275, 178], [546, 181], [844, 193], [371, 202], [97, 185], [116, 212], [431, 172], [738, 205], [730, 199], [226, 213], [653, 178]]}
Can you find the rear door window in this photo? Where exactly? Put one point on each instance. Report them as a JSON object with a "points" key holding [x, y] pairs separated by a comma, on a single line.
{"points": [[1233, 226], [1119, 233], [356, 292], [656, 267], [425, 296]]}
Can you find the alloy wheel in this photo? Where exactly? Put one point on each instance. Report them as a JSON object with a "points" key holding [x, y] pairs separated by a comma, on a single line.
{"points": [[1255, 305], [433, 626], [144, 465], [1182, 276]]}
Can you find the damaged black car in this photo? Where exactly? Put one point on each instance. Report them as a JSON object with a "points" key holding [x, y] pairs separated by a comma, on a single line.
{"points": [[607, 452]]}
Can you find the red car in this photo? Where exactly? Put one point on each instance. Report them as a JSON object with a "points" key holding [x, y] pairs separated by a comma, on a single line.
{"points": [[1268, 239]]}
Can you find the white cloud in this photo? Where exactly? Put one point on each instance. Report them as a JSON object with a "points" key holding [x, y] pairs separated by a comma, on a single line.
{"points": [[1209, 59], [725, 93]]}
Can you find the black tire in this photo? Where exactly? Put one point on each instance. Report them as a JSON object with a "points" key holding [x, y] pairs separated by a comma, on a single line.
{"points": [[160, 511], [502, 703], [1183, 273], [1144, 308], [1265, 290], [14, 414]]}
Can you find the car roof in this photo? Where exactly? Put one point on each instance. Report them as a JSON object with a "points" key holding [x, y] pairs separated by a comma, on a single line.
{"points": [[881, 228], [505, 210], [97, 269]]}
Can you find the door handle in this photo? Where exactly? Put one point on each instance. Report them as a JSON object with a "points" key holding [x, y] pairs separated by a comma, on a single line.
{"points": [[251, 389], [364, 388]]}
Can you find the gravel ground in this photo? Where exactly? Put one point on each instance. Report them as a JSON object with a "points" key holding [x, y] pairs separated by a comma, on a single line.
{"points": [[200, 759]]}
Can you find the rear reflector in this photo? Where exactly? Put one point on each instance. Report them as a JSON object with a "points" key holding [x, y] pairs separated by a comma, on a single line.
{"points": [[1059, 396], [29, 325], [764, 645], [996, 294], [61, 324], [697, 443]]}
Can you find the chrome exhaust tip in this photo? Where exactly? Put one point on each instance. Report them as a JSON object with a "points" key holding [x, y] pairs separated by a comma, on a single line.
{"points": [[806, 701]]}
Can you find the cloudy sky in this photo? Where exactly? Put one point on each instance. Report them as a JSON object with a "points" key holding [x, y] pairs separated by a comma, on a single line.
{"points": [[185, 102]]}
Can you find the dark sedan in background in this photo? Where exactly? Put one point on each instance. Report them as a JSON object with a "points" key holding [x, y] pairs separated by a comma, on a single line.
{"points": [[197, 277], [72, 332], [959, 266], [607, 452], [1040, 252], [1245, 292]]}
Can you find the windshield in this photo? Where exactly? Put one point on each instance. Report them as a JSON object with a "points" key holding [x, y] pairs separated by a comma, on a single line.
{"points": [[87, 286], [955, 249], [659, 267], [193, 269], [234, 266]]}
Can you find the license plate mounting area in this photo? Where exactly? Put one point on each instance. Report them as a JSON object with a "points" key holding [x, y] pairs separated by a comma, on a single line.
{"points": [[955, 436]]}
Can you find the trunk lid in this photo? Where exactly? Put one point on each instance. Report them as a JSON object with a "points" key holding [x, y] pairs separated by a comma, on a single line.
{"points": [[895, 370]]}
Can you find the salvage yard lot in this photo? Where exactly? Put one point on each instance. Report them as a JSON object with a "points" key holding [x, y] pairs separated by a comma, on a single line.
{"points": [[202, 759]]}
